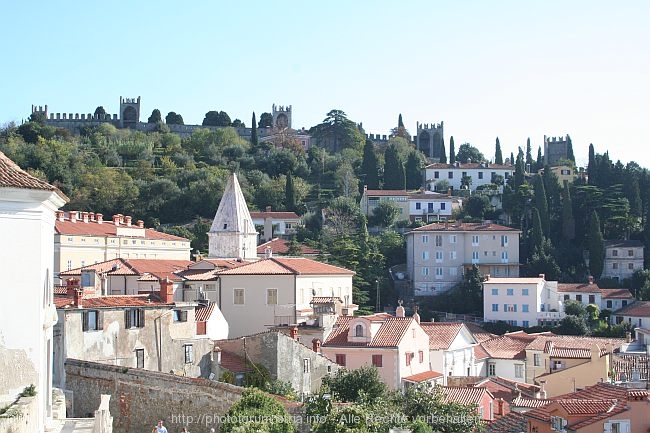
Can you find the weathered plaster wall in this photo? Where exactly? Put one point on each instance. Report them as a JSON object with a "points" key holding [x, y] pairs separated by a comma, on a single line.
{"points": [[22, 417]]}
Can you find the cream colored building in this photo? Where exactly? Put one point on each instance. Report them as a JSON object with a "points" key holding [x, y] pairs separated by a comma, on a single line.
{"points": [[84, 238], [438, 254], [425, 206], [622, 259]]}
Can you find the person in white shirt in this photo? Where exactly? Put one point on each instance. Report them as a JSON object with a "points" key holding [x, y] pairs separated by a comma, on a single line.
{"points": [[160, 428]]}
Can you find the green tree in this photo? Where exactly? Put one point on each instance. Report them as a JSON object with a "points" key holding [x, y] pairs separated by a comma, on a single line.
{"points": [[290, 194], [540, 159], [155, 117], [238, 124], [575, 308], [537, 233], [370, 166], [346, 181], [518, 178], [254, 138], [174, 119], [467, 152], [358, 385], [394, 175], [266, 120], [337, 132], [414, 165], [529, 156], [569, 150], [568, 222], [100, 111], [542, 205], [592, 169], [452, 150], [257, 411], [572, 325], [443, 153], [498, 156], [596, 246], [385, 214], [216, 118]]}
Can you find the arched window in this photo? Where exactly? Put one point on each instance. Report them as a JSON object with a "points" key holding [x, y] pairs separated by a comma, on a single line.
{"points": [[358, 331]]}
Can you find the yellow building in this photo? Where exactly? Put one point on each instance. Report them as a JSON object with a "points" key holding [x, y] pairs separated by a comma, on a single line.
{"points": [[84, 238]]}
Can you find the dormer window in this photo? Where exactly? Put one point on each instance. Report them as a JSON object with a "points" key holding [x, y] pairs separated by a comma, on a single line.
{"points": [[358, 331]]}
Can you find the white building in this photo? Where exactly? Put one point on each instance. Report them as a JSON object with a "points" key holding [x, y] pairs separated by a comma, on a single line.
{"points": [[636, 314], [622, 259], [451, 348], [480, 173], [27, 312], [232, 234], [276, 224]]}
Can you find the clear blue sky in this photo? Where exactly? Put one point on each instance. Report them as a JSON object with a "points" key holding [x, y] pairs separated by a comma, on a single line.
{"points": [[512, 69]]}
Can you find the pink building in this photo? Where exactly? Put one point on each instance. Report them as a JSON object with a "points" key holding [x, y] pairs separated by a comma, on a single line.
{"points": [[396, 345]]}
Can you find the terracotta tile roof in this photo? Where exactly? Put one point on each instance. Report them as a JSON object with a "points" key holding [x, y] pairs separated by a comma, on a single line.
{"points": [[465, 227], [480, 353], [465, 395], [390, 332], [60, 290], [281, 246], [470, 165], [636, 309], [108, 228], [386, 192], [422, 377], [321, 300], [12, 176], [625, 365], [616, 294], [441, 334], [203, 312], [153, 267], [581, 406], [505, 347], [225, 263], [632, 243], [572, 346], [275, 215], [287, 266], [514, 422], [234, 363], [507, 389], [480, 334], [578, 287], [199, 274], [432, 196], [113, 301], [529, 402]]}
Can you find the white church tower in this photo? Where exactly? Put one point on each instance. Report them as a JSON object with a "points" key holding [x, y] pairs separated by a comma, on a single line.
{"points": [[232, 234]]}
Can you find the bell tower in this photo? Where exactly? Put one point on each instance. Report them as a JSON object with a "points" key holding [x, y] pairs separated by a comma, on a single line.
{"points": [[281, 116], [129, 112]]}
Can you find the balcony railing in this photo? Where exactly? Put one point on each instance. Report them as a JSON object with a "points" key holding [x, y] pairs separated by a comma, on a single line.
{"points": [[550, 315]]}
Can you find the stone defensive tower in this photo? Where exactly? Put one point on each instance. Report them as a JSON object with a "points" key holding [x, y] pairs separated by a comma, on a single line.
{"points": [[555, 148], [129, 112], [232, 234], [281, 116], [430, 139]]}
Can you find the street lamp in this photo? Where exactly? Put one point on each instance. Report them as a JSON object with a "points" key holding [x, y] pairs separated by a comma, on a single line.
{"points": [[378, 303]]}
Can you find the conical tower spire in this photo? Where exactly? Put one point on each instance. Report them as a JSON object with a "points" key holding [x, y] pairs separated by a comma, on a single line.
{"points": [[232, 234]]}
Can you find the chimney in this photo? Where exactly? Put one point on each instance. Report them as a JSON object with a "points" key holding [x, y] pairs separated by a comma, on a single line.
{"points": [[73, 290], [448, 192], [167, 291], [628, 337], [595, 353], [217, 352], [73, 216], [84, 217], [60, 215], [487, 277], [116, 220], [91, 215], [315, 345], [140, 224], [416, 316], [542, 276], [100, 218], [591, 279], [268, 208], [399, 311], [268, 252], [127, 220], [294, 333], [542, 389]]}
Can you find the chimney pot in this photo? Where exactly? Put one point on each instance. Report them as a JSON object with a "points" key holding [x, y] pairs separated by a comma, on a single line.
{"points": [[73, 216], [60, 215], [591, 279], [167, 291], [91, 215], [100, 218], [116, 220], [294, 333], [127, 220], [84, 217], [542, 276], [268, 208], [315, 344], [140, 224]]}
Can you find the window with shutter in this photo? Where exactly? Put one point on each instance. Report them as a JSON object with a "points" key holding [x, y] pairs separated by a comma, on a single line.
{"points": [[127, 318]]}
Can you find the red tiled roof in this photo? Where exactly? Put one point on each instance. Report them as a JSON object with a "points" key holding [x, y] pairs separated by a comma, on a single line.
{"points": [[234, 363], [480, 353], [441, 334], [616, 294], [390, 332], [12, 176], [636, 309], [203, 312], [514, 422], [60, 290], [108, 228], [386, 192], [506, 347], [275, 215], [581, 406], [112, 301], [465, 395], [465, 227], [287, 266], [530, 402], [480, 334], [470, 165], [507, 389], [624, 364], [158, 268], [578, 287], [199, 274], [281, 246], [422, 377], [572, 346], [321, 300]]}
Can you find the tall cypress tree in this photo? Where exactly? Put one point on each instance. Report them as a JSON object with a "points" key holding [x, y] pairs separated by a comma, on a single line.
{"points": [[592, 168], [413, 171], [596, 246], [569, 149], [452, 150], [540, 159], [519, 173], [400, 124], [394, 175], [536, 233], [529, 155], [568, 222], [541, 204], [370, 166], [498, 156], [254, 139], [443, 153], [512, 159], [290, 194]]}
